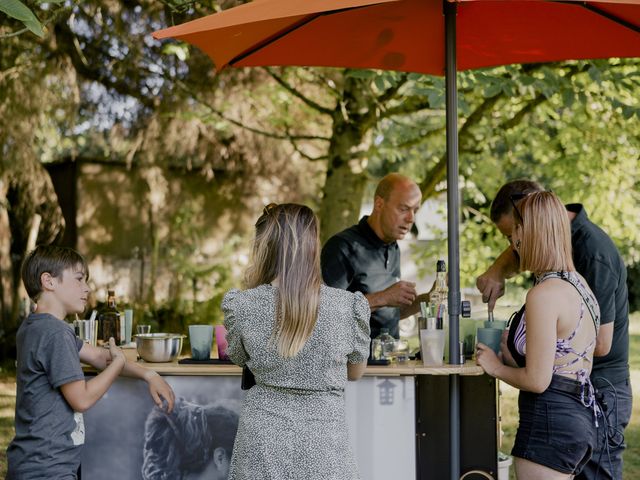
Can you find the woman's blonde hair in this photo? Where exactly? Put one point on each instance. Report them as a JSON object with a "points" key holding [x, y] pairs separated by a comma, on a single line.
{"points": [[287, 248], [546, 233]]}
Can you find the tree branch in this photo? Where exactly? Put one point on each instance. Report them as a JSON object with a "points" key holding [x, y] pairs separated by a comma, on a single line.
{"points": [[537, 100], [240, 124], [326, 82], [437, 173], [65, 45], [390, 92], [296, 93], [13, 34], [528, 108], [306, 155], [411, 105], [419, 139]]}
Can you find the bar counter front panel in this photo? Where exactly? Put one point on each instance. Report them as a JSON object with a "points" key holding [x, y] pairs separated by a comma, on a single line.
{"points": [[397, 418]]}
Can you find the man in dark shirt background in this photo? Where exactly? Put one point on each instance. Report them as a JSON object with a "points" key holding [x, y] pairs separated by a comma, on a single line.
{"points": [[597, 259], [366, 257]]}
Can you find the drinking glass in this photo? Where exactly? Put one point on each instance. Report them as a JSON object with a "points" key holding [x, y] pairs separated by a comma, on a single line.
{"points": [[432, 347], [143, 329]]}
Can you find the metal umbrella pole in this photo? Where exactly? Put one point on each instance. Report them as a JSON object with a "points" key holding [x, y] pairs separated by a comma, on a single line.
{"points": [[453, 219]]}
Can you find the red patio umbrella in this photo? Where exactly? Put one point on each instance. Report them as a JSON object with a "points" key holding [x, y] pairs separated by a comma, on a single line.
{"points": [[426, 36], [408, 35]]}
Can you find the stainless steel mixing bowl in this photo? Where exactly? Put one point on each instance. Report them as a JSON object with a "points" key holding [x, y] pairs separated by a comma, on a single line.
{"points": [[159, 347]]}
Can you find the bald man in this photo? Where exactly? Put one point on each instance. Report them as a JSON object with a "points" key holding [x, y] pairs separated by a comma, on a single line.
{"points": [[366, 258]]}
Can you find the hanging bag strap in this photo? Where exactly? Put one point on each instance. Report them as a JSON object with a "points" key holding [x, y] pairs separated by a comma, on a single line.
{"points": [[586, 298]]}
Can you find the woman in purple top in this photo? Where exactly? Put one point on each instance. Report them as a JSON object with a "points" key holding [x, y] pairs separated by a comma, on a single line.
{"points": [[550, 349]]}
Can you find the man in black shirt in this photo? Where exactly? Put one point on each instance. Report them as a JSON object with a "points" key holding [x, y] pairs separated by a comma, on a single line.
{"points": [[597, 259], [366, 258]]}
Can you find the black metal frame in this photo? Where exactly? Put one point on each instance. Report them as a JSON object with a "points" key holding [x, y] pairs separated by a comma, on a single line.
{"points": [[453, 227], [478, 421]]}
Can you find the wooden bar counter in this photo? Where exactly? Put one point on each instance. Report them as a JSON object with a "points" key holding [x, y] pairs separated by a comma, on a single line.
{"points": [[398, 419], [411, 368]]}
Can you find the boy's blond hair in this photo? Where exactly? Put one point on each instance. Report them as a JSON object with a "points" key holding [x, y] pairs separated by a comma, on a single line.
{"points": [[546, 234], [49, 259]]}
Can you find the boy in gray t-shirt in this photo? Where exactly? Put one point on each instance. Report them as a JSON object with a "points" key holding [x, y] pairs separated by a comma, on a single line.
{"points": [[51, 389]]}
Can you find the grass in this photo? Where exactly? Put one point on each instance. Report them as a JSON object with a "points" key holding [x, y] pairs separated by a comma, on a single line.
{"points": [[508, 407]]}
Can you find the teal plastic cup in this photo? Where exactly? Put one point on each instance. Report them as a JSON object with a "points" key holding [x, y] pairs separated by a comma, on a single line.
{"points": [[201, 338], [491, 337], [501, 324]]}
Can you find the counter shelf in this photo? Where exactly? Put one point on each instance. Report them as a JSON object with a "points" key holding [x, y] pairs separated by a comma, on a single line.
{"points": [[410, 368], [398, 418]]}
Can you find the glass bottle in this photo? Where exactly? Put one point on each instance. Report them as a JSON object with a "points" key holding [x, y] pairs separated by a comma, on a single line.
{"points": [[376, 348], [439, 301], [387, 344], [441, 291], [109, 320]]}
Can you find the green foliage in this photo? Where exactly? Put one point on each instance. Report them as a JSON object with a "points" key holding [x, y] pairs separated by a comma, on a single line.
{"points": [[572, 126], [180, 50], [586, 152], [189, 304], [18, 10], [27, 13]]}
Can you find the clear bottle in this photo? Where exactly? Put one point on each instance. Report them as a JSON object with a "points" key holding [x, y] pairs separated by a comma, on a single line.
{"points": [[441, 291], [109, 320], [387, 344], [376, 349], [438, 302]]}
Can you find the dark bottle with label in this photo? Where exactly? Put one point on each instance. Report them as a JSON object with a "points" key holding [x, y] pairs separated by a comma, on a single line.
{"points": [[109, 320]]}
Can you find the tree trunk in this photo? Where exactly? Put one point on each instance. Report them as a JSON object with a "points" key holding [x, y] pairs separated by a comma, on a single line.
{"points": [[157, 196], [346, 176], [6, 278], [26, 191]]}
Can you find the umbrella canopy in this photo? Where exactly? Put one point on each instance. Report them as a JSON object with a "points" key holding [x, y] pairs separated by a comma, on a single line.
{"points": [[425, 36], [408, 35]]}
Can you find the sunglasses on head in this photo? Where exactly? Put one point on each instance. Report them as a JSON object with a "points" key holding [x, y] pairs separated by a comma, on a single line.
{"points": [[516, 197]]}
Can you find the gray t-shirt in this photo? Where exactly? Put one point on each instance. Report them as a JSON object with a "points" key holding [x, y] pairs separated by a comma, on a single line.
{"points": [[48, 432]]}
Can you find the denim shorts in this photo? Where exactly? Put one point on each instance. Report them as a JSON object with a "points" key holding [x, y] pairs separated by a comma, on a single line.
{"points": [[556, 430]]}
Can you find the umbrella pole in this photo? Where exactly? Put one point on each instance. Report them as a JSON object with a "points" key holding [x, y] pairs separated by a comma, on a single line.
{"points": [[453, 219]]}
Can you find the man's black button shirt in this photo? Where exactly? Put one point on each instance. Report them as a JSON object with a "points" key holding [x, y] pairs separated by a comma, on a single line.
{"points": [[357, 260]]}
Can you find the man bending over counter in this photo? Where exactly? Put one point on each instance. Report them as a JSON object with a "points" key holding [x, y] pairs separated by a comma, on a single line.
{"points": [[366, 258]]}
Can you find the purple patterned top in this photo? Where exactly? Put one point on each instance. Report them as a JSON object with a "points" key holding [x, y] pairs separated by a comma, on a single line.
{"points": [[518, 338]]}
